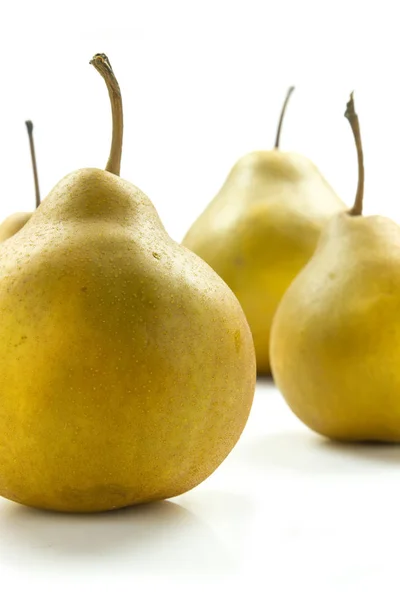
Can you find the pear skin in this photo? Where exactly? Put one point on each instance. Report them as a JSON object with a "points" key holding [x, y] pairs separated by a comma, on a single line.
{"points": [[335, 342], [127, 367], [261, 229]]}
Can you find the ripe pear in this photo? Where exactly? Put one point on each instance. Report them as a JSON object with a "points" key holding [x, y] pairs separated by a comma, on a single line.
{"points": [[262, 228], [13, 223], [127, 367], [335, 342]]}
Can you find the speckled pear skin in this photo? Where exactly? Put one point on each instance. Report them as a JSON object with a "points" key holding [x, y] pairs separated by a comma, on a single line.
{"points": [[261, 229], [127, 367], [12, 224]]}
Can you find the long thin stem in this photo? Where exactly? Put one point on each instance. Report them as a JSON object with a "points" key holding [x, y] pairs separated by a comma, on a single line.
{"points": [[352, 117], [278, 133], [103, 66], [29, 126]]}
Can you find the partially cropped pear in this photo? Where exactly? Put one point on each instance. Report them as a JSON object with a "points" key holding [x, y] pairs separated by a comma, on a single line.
{"points": [[127, 367], [335, 342], [13, 223], [261, 229]]}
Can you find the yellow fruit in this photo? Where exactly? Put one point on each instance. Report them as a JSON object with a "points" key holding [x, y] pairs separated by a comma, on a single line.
{"points": [[261, 229], [127, 367], [12, 224], [335, 342]]}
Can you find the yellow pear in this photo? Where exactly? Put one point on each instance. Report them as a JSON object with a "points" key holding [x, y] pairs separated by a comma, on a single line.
{"points": [[16, 221], [261, 229], [335, 342], [127, 367], [12, 224]]}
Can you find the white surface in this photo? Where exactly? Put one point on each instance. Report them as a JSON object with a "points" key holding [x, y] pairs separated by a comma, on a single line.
{"points": [[288, 515]]}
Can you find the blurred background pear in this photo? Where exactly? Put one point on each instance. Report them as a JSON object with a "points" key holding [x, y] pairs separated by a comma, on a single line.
{"points": [[262, 228]]}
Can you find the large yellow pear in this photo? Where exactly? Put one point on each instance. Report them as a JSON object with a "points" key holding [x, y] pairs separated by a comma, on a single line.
{"points": [[16, 221], [127, 367], [261, 229], [335, 342]]}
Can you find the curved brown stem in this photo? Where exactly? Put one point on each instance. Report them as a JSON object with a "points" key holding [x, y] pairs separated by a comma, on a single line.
{"points": [[278, 133], [29, 126], [352, 117], [103, 66]]}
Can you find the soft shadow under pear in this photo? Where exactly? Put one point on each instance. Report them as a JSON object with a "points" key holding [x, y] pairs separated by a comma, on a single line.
{"points": [[161, 535], [309, 453]]}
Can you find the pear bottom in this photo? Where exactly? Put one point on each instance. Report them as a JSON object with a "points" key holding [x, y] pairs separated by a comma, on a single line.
{"points": [[343, 383], [96, 450], [76, 455]]}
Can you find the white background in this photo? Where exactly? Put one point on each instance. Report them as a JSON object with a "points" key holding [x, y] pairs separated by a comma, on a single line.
{"points": [[288, 514]]}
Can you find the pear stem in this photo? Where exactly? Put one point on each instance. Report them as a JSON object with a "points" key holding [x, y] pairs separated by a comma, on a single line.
{"points": [[103, 66], [283, 111], [352, 117], [29, 126]]}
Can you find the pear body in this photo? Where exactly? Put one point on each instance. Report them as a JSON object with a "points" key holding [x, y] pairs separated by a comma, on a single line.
{"points": [[260, 231], [12, 224], [335, 342], [127, 368]]}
